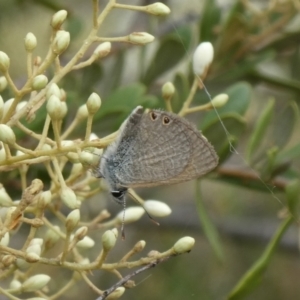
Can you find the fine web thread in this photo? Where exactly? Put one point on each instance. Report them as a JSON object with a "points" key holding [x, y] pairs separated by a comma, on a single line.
{"points": [[231, 147]]}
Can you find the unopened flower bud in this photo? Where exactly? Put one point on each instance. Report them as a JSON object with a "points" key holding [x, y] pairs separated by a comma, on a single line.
{"points": [[22, 264], [7, 105], [55, 108], [35, 282], [86, 243], [168, 90], [53, 90], [139, 246], [61, 42], [4, 62], [132, 214], [93, 103], [21, 105], [102, 50], [8, 259], [51, 237], [36, 241], [82, 113], [89, 159], [140, 38], [220, 100], [68, 196], [7, 135], [5, 240], [108, 240], [158, 9], [39, 82], [30, 42], [32, 257], [45, 198], [116, 294], [203, 57], [157, 208], [72, 220], [81, 232], [64, 109], [3, 85], [183, 245], [15, 284], [34, 249], [58, 19]]}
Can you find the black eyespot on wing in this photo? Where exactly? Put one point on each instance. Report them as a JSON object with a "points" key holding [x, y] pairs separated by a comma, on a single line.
{"points": [[166, 120], [153, 116]]}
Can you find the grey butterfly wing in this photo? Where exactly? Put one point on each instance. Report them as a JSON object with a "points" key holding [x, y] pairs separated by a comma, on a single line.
{"points": [[165, 150]]}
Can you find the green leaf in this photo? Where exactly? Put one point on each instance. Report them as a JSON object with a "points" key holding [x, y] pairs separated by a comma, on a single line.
{"points": [[292, 192], [211, 15], [288, 155], [239, 99], [171, 50], [209, 228], [254, 275], [218, 137], [260, 129], [284, 125]]}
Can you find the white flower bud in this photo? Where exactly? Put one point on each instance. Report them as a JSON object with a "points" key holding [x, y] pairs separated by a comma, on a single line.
{"points": [[168, 90], [2, 158], [34, 249], [3, 85], [116, 294], [45, 198], [82, 113], [108, 240], [81, 232], [7, 135], [32, 257], [157, 208], [73, 157], [7, 105], [39, 82], [5, 240], [115, 232], [30, 42], [55, 108], [220, 100], [102, 50], [93, 103], [158, 9], [5, 200], [15, 284], [61, 42], [77, 168], [20, 105], [68, 196], [86, 243], [94, 136], [183, 245], [132, 214], [139, 246], [203, 57], [35, 282], [72, 220], [22, 264], [36, 241], [89, 159], [8, 259], [53, 90], [4, 62], [140, 38], [64, 108], [58, 19], [51, 237]]}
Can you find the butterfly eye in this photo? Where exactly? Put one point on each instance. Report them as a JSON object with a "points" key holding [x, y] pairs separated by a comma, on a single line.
{"points": [[166, 120], [117, 194], [153, 116]]}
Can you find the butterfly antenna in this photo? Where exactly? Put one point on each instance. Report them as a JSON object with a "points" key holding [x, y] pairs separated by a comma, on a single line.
{"points": [[123, 220], [141, 204]]}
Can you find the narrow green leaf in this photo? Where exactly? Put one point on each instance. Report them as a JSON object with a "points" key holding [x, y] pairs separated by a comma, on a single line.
{"points": [[292, 192], [182, 90], [254, 274], [260, 129], [209, 228], [211, 15]]}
